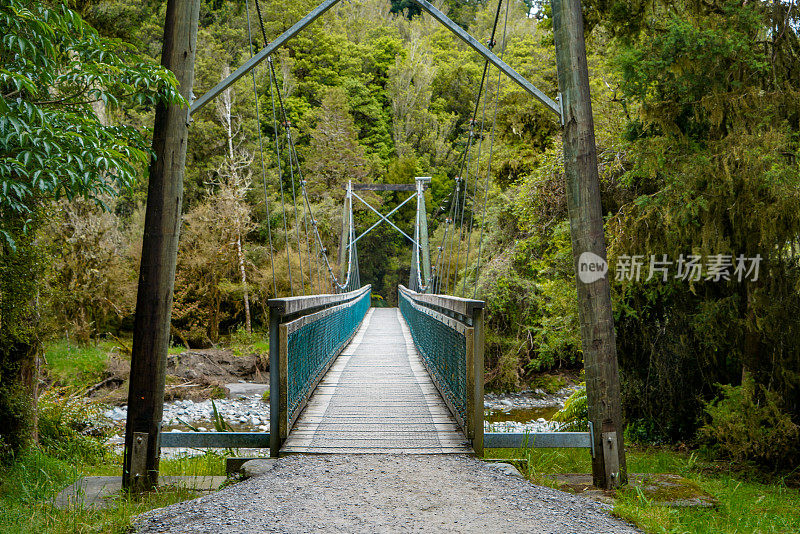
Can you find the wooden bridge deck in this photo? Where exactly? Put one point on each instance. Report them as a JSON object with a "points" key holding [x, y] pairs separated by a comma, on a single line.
{"points": [[377, 398]]}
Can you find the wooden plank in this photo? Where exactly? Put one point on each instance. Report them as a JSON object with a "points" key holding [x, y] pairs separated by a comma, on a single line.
{"points": [[138, 473], [470, 422], [283, 405], [477, 389], [457, 305], [222, 440], [611, 458], [294, 305]]}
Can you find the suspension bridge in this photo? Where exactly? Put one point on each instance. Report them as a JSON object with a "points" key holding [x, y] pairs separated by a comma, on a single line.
{"points": [[348, 378], [345, 377]]}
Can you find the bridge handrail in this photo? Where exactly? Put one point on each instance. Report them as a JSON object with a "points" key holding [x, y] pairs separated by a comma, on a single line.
{"points": [[288, 306], [300, 355], [449, 370]]}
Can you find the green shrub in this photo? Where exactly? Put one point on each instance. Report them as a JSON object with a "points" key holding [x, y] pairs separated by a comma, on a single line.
{"points": [[72, 427], [644, 431], [241, 337], [748, 424], [15, 421], [77, 366]]}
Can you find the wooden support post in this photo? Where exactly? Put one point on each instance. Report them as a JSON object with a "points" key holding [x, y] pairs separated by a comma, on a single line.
{"points": [[274, 384], [478, 369], [588, 241], [138, 471], [283, 399], [151, 331]]}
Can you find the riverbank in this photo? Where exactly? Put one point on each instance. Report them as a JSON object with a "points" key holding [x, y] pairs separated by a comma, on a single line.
{"points": [[526, 411]]}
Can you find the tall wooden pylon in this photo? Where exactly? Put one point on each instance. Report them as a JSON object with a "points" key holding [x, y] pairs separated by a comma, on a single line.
{"points": [[151, 331], [589, 246]]}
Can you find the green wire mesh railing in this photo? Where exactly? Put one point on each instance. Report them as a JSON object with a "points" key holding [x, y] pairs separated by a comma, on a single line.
{"points": [[443, 346], [313, 342]]}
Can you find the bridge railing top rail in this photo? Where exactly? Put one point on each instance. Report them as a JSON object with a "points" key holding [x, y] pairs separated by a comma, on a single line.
{"points": [[297, 306], [456, 307]]}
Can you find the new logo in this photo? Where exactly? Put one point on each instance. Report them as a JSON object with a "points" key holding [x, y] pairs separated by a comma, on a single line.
{"points": [[591, 267]]}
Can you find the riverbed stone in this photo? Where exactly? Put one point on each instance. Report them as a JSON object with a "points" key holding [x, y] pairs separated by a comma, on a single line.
{"points": [[254, 468], [507, 469]]}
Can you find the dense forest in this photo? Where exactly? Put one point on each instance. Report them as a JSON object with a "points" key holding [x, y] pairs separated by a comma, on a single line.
{"points": [[697, 117]]}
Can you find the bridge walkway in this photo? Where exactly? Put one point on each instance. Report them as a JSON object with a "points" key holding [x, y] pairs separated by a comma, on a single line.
{"points": [[377, 397]]}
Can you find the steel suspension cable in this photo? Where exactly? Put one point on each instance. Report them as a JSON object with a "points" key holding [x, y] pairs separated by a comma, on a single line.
{"points": [[261, 153], [286, 127], [477, 170], [452, 220], [280, 181], [481, 98], [440, 255], [454, 211], [308, 239], [489, 164], [293, 154]]}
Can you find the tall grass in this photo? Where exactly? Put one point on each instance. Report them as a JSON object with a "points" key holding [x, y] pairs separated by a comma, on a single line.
{"points": [[28, 487]]}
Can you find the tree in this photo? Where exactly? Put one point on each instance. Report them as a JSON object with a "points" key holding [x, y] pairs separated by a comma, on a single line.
{"points": [[92, 285], [335, 154], [233, 186], [53, 145], [714, 129]]}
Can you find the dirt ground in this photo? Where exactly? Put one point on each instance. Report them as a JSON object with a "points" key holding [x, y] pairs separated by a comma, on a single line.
{"points": [[195, 374]]}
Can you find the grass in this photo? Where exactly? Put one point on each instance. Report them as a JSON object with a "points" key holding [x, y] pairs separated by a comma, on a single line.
{"points": [[243, 344], [29, 485], [76, 366], [746, 504]]}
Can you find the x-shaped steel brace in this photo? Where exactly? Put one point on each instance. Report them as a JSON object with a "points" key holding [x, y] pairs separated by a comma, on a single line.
{"points": [[384, 218]]}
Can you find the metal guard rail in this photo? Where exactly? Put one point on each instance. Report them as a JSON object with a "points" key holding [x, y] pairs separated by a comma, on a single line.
{"points": [[448, 332], [306, 335]]}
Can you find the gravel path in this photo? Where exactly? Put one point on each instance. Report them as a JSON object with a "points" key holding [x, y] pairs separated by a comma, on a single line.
{"points": [[384, 493]]}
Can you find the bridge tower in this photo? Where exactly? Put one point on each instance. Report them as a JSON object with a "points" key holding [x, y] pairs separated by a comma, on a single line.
{"points": [[420, 275]]}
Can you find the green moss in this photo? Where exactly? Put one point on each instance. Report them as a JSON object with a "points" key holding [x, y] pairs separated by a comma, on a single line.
{"points": [[550, 383]]}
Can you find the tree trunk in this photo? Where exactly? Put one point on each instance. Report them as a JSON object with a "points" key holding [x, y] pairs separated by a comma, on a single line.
{"points": [[247, 323]]}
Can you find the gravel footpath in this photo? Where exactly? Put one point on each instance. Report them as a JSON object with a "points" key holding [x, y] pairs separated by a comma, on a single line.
{"points": [[384, 493]]}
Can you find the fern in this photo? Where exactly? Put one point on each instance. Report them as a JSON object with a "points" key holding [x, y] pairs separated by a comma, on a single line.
{"points": [[574, 416]]}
